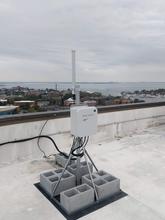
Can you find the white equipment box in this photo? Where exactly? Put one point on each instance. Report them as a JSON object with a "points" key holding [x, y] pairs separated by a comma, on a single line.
{"points": [[83, 121]]}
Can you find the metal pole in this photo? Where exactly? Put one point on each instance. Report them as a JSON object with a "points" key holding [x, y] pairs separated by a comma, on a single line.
{"points": [[78, 176], [91, 160], [90, 174], [73, 71], [77, 91], [76, 96], [66, 165], [75, 87]]}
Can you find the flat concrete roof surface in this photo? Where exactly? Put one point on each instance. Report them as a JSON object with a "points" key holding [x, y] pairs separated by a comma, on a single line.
{"points": [[138, 160]]}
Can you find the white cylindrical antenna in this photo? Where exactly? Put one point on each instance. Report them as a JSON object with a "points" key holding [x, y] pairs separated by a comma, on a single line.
{"points": [[76, 95], [75, 87], [73, 71]]}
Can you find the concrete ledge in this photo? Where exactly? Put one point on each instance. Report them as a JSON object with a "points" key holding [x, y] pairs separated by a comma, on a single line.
{"points": [[111, 125], [40, 116]]}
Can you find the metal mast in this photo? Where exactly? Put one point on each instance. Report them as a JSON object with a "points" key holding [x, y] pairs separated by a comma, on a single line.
{"points": [[75, 87]]}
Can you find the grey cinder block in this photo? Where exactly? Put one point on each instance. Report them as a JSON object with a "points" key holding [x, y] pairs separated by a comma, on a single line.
{"points": [[101, 173], [48, 181], [83, 168], [61, 160], [106, 184], [107, 187], [77, 198], [86, 179]]}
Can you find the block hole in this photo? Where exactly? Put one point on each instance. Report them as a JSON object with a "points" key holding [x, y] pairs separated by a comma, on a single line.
{"points": [[71, 193], [53, 179], [83, 188], [109, 178], [88, 177], [84, 163], [101, 173], [73, 166], [65, 175], [100, 182], [48, 174], [58, 171]]}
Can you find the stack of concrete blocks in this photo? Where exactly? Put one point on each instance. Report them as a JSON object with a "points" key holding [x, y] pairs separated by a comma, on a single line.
{"points": [[77, 198], [61, 160], [49, 179], [106, 184], [83, 168]]}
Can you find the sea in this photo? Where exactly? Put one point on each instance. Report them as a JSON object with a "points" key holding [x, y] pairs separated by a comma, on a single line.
{"points": [[106, 88]]}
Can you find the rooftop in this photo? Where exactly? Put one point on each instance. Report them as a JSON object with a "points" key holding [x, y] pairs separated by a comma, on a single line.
{"points": [[138, 160]]}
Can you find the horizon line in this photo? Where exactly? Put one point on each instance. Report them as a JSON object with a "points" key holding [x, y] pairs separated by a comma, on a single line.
{"points": [[88, 82]]}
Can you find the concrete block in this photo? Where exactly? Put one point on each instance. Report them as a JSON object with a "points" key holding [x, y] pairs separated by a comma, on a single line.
{"points": [[49, 179], [86, 179], [44, 178], [61, 160], [101, 174], [77, 198], [83, 168], [106, 184], [107, 188]]}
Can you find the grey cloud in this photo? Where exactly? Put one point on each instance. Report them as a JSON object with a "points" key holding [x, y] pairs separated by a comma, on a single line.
{"points": [[115, 39]]}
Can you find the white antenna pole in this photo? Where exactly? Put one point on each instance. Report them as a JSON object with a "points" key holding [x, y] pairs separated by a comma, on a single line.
{"points": [[73, 71], [75, 88], [76, 96]]}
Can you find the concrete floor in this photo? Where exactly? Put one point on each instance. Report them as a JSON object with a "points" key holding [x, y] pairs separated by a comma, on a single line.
{"points": [[139, 161]]}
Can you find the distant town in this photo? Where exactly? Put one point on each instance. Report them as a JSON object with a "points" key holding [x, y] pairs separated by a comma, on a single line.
{"points": [[26, 100]]}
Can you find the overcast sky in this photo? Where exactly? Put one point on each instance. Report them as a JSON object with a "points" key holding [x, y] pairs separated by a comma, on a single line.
{"points": [[115, 40]]}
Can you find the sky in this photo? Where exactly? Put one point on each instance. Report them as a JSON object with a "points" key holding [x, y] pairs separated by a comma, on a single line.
{"points": [[115, 40]]}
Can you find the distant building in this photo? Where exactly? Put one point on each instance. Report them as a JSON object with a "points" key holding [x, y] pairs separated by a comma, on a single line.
{"points": [[8, 109], [43, 103], [126, 101], [68, 102], [3, 102], [90, 102], [116, 101], [24, 103]]}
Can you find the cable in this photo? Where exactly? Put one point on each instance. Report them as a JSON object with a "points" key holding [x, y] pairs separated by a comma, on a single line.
{"points": [[75, 140], [39, 147], [78, 140], [32, 138], [38, 141], [83, 144]]}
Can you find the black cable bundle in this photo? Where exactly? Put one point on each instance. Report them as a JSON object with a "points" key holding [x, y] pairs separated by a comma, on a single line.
{"points": [[32, 138], [83, 144], [77, 140]]}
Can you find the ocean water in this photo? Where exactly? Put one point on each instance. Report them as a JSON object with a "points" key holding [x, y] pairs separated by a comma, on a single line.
{"points": [[113, 88]]}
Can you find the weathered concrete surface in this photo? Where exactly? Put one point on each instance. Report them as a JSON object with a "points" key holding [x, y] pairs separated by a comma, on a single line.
{"points": [[138, 161]]}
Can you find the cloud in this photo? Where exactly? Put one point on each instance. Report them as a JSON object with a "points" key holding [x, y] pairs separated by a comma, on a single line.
{"points": [[115, 40]]}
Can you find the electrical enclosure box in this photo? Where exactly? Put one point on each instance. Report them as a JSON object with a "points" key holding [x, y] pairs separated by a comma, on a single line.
{"points": [[83, 121]]}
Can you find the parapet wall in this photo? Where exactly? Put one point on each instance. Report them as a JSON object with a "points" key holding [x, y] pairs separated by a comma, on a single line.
{"points": [[111, 125]]}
